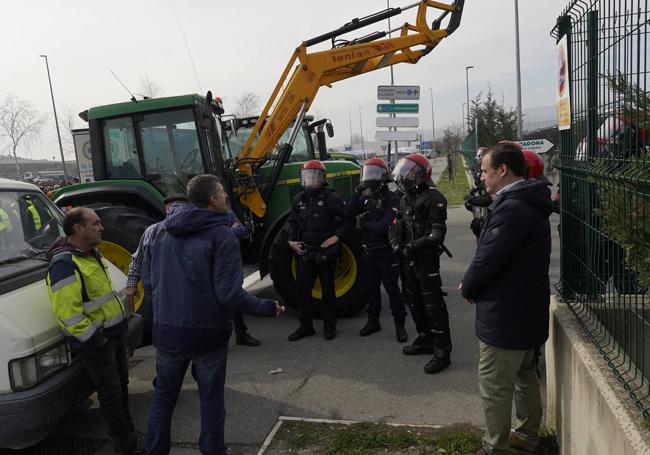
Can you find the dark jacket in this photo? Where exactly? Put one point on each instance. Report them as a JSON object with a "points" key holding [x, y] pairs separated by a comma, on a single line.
{"points": [[239, 231], [316, 215], [508, 277], [378, 210], [193, 271]]}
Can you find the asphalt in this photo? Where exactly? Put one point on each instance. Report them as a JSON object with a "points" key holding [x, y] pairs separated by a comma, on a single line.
{"points": [[350, 377]]}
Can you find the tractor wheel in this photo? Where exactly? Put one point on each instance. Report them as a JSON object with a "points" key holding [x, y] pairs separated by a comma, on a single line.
{"points": [[347, 279], [123, 227]]}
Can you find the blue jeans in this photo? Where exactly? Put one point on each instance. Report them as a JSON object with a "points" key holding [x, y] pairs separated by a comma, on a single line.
{"points": [[209, 371]]}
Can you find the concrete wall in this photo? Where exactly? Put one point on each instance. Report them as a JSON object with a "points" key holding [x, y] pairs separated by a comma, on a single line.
{"points": [[590, 411]]}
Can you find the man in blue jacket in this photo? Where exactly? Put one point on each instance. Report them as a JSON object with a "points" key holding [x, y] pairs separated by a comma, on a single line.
{"points": [[508, 281], [193, 271]]}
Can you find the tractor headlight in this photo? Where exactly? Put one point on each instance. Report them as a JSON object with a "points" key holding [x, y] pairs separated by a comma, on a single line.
{"points": [[34, 369]]}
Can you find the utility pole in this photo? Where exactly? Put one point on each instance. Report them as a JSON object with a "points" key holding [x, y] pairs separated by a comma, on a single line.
{"points": [[350, 121], [56, 121], [467, 68], [392, 82], [519, 119], [363, 147], [433, 125]]}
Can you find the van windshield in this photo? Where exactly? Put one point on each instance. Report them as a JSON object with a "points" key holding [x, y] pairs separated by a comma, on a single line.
{"points": [[29, 225]]}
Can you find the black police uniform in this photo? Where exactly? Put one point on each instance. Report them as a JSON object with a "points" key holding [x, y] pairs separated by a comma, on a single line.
{"points": [[378, 208], [419, 233], [476, 202], [315, 216]]}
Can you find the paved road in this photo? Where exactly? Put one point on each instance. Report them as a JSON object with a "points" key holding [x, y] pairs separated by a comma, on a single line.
{"points": [[350, 377]]}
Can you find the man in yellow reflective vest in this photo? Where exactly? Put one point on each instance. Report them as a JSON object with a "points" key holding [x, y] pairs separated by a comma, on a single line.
{"points": [[93, 320], [33, 213]]}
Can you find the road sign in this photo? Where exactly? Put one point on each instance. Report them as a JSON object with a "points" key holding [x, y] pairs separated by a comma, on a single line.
{"points": [[398, 122], [537, 145], [396, 135], [405, 108], [398, 92]]}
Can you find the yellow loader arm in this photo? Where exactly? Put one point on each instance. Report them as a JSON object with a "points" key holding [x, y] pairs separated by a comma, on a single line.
{"points": [[313, 70]]}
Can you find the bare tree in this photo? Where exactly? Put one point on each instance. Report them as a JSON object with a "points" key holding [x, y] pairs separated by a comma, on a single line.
{"points": [[452, 138], [149, 87], [20, 122], [247, 105], [69, 122]]}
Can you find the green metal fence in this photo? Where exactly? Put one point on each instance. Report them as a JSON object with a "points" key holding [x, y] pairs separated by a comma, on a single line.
{"points": [[605, 184]]}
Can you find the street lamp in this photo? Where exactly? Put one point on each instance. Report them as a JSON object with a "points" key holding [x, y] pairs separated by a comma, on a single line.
{"points": [[361, 128], [519, 119], [462, 115], [467, 68], [433, 125], [56, 121]]}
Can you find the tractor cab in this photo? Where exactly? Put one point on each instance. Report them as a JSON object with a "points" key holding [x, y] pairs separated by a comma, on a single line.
{"points": [[164, 141]]}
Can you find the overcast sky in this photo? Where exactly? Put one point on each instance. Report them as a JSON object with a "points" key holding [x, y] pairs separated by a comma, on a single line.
{"points": [[243, 47]]}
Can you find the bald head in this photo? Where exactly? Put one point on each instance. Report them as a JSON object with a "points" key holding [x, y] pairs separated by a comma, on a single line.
{"points": [[83, 227]]}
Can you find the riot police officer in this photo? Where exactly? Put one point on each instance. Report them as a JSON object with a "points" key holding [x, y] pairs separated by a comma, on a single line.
{"points": [[419, 235], [317, 223], [378, 207]]}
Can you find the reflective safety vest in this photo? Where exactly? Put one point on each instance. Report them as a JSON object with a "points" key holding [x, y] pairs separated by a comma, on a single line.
{"points": [[5, 222], [36, 218], [82, 295]]}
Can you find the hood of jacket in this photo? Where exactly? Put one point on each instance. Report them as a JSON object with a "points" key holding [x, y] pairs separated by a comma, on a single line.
{"points": [[190, 219], [533, 192], [62, 245]]}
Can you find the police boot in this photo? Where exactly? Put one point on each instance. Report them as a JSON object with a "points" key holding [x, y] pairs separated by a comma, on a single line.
{"points": [[305, 329], [439, 362], [329, 331], [400, 332], [371, 327], [423, 344]]}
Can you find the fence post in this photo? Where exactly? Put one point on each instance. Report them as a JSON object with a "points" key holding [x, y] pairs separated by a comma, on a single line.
{"points": [[592, 249], [567, 273]]}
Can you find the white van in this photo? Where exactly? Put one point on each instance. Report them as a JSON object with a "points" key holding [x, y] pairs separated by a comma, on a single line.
{"points": [[40, 378]]}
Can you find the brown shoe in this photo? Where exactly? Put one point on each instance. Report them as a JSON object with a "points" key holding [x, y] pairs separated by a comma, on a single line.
{"points": [[523, 446]]}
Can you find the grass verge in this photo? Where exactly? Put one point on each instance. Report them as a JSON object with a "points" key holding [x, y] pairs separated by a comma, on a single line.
{"points": [[301, 438], [455, 190]]}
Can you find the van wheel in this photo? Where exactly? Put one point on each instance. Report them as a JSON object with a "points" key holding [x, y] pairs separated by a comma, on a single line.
{"points": [[123, 228], [347, 278]]}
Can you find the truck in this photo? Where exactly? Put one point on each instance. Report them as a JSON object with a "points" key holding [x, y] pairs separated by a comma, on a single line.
{"points": [[145, 150], [40, 378]]}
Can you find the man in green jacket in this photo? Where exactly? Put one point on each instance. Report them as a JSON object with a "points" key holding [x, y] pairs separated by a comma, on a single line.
{"points": [[93, 320]]}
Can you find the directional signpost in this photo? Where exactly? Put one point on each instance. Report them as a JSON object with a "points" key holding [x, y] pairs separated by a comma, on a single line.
{"points": [[396, 135], [398, 92], [537, 145], [406, 108], [391, 122]]}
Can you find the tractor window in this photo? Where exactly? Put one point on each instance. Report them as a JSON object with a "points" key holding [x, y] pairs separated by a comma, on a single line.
{"points": [[170, 145], [121, 149], [300, 148]]}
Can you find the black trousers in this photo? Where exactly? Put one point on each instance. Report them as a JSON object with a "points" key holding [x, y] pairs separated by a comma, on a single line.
{"points": [[238, 320], [308, 270], [421, 290], [380, 266], [107, 367]]}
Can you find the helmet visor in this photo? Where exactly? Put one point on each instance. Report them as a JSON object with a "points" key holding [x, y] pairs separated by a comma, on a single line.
{"points": [[371, 172], [407, 174], [312, 178]]}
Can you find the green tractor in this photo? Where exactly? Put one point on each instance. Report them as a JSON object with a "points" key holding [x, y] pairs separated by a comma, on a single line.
{"points": [[146, 150]]}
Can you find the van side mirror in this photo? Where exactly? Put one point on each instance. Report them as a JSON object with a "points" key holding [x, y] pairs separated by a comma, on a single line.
{"points": [[330, 129]]}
